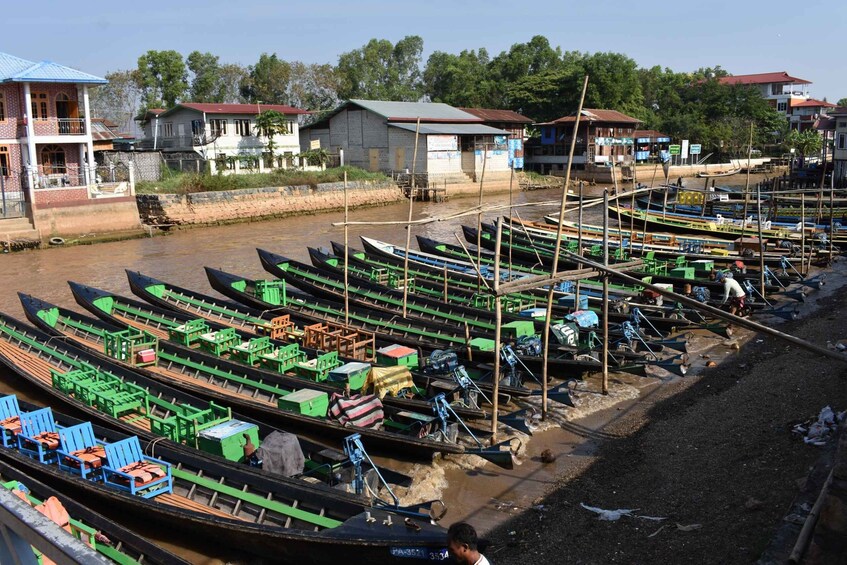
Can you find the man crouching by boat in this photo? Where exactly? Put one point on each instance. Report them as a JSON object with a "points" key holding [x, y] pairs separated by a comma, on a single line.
{"points": [[462, 545], [732, 291]]}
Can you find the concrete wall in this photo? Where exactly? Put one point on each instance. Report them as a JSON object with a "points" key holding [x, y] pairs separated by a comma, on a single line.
{"points": [[253, 203], [70, 219]]}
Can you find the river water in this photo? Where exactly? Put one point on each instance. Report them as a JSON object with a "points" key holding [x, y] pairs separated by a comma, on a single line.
{"points": [[179, 258]]}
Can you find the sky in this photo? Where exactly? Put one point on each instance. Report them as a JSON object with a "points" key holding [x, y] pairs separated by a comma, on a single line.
{"points": [[742, 36]]}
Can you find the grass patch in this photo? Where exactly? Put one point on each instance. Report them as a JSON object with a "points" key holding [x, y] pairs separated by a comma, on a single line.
{"points": [[186, 183]]}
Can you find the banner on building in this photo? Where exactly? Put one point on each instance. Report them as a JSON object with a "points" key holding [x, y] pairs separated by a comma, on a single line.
{"points": [[516, 154], [442, 143]]}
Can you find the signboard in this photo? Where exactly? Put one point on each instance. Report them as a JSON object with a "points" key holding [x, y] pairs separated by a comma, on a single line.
{"points": [[315, 144], [442, 143], [613, 140], [696, 148], [684, 150], [516, 153], [673, 149]]}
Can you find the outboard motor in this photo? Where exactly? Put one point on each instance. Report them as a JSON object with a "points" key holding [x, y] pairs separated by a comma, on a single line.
{"points": [[442, 362], [529, 345]]}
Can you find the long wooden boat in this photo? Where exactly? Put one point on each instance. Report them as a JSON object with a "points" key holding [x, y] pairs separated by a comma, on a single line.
{"points": [[105, 536], [240, 509], [146, 407], [239, 288], [260, 393], [718, 174]]}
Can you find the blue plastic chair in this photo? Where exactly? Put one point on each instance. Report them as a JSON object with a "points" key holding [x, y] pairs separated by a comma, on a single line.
{"points": [[79, 452], [10, 419], [39, 437], [127, 468]]}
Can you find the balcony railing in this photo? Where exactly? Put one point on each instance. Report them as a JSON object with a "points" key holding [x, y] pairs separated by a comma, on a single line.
{"points": [[71, 126]]}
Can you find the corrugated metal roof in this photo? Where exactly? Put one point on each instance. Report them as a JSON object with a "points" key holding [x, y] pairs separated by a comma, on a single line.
{"points": [[11, 65], [411, 111], [597, 115], [493, 115], [48, 71], [762, 78], [451, 129], [811, 103], [252, 109]]}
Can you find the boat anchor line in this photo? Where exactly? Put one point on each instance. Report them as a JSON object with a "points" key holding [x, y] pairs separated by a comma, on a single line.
{"points": [[494, 454]]}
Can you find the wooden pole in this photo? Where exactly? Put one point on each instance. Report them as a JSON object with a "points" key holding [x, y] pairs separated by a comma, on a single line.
{"points": [[747, 195], [617, 208], [446, 298], [606, 297], [346, 256], [468, 342], [409, 223], [479, 218], [831, 219], [549, 313], [803, 234], [578, 246], [511, 229], [761, 241], [498, 329], [632, 201]]}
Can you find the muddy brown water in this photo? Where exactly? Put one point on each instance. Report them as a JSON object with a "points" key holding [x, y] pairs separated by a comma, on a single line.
{"points": [[485, 495]]}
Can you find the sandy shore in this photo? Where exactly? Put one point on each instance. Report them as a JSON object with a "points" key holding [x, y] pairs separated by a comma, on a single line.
{"points": [[714, 454]]}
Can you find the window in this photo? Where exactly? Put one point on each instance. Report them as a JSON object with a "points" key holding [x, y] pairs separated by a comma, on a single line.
{"points": [[2, 107], [217, 127], [242, 128], [52, 160], [781, 106], [4, 161], [198, 127], [168, 129], [842, 141], [39, 105]]}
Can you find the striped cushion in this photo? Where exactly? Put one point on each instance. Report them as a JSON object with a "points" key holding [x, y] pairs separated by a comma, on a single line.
{"points": [[361, 411]]}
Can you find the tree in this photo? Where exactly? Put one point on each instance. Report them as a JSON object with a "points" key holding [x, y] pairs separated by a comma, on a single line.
{"points": [[614, 83], [269, 124], [805, 143], [842, 102], [162, 77], [460, 80], [206, 82], [119, 100], [313, 86], [229, 88], [382, 70], [267, 81]]}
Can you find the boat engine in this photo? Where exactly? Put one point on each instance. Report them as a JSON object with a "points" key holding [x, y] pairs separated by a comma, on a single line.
{"points": [[442, 362], [529, 345]]}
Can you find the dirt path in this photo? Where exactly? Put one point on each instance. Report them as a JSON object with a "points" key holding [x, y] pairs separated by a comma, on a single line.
{"points": [[713, 452]]}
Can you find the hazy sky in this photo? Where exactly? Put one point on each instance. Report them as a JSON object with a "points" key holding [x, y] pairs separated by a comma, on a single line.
{"points": [[805, 38]]}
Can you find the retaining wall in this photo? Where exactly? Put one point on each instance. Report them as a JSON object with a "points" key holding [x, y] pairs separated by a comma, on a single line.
{"points": [[255, 203], [98, 216]]}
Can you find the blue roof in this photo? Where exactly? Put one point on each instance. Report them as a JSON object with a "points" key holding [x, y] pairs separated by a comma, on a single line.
{"points": [[15, 69]]}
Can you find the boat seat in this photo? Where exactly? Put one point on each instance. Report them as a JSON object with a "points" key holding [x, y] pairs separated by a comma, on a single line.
{"points": [[10, 419], [127, 468], [39, 437], [79, 452]]}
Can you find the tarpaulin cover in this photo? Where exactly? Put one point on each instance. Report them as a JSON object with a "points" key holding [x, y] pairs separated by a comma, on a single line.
{"points": [[361, 410], [390, 380], [281, 454], [566, 334], [585, 318]]}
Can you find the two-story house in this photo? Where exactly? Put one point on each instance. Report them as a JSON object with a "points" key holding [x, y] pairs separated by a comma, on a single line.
{"points": [[222, 133], [780, 89], [804, 113], [603, 137], [839, 116], [46, 146]]}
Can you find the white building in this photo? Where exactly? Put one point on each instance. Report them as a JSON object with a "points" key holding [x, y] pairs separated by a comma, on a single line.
{"points": [[453, 146], [780, 89], [225, 135], [839, 115]]}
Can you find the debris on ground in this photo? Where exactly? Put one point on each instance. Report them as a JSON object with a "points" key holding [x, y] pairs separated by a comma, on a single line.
{"points": [[818, 431]]}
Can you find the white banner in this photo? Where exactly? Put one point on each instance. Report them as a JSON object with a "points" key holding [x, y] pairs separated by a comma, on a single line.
{"points": [[442, 143]]}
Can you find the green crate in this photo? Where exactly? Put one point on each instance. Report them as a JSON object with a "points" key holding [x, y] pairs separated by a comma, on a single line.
{"points": [[305, 401], [682, 272], [393, 355], [483, 344], [227, 439], [353, 373], [518, 328]]}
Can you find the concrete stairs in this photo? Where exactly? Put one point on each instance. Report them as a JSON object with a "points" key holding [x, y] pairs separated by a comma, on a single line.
{"points": [[18, 233]]}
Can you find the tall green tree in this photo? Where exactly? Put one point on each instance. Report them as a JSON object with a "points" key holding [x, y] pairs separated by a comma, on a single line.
{"points": [[267, 81], [271, 123], [313, 87], [383, 71], [805, 143], [206, 77], [842, 102], [232, 75], [522, 60], [162, 77], [613, 84], [460, 80]]}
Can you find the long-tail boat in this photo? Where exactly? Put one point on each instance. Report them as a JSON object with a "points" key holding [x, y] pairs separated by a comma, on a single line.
{"points": [[107, 537], [395, 431], [202, 496]]}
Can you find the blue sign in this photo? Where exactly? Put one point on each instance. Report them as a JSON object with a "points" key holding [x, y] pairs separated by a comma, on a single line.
{"points": [[516, 154]]}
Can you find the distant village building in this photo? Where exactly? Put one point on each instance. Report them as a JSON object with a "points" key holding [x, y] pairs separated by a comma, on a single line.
{"points": [[839, 116], [803, 113], [221, 134], [453, 145], [649, 144], [604, 136], [780, 89]]}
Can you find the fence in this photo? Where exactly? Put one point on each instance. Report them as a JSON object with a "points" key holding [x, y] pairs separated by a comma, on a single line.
{"points": [[13, 202]]}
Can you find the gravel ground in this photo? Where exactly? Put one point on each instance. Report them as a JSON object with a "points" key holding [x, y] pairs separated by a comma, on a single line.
{"points": [[714, 454]]}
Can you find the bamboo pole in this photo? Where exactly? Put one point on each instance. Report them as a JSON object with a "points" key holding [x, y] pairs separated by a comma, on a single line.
{"points": [[617, 207], [346, 256], [803, 235], [632, 201], [511, 230], [606, 296], [579, 245], [549, 313], [747, 195], [498, 329], [409, 223], [446, 299], [761, 241], [479, 217]]}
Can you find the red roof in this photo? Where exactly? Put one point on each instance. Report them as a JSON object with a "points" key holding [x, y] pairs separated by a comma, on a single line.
{"points": [[812, 103], [596, 115], [251, 109], [762, 78], [492, 115], [839, 111], [648, 133]]}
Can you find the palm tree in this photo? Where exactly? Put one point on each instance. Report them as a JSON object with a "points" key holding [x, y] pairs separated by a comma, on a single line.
{"points": [[270, 123], [805, 143]]}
